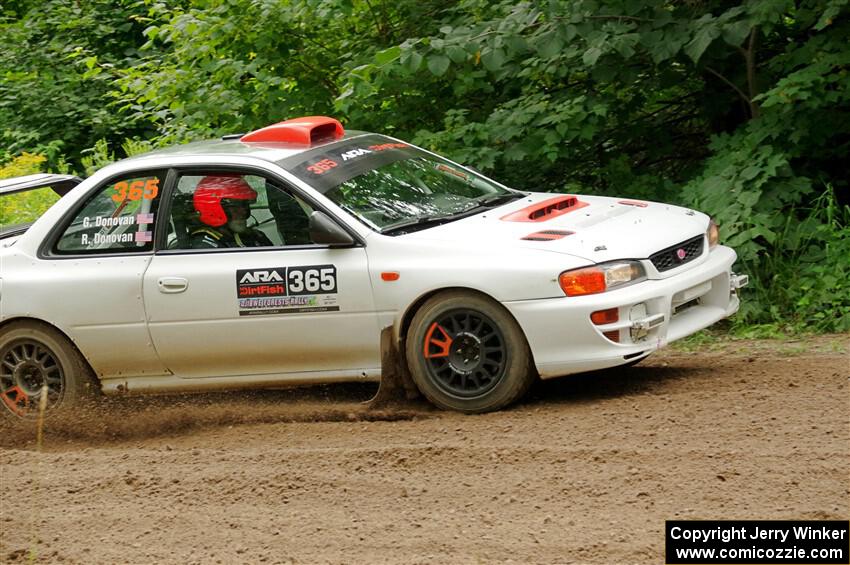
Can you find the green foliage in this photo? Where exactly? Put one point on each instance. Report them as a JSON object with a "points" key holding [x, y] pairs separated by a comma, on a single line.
{"points": [[97, 157], [58, 60], [803, 280], [23, 164], [232, 65], [566, 89], [740, 109], [100, 155]]}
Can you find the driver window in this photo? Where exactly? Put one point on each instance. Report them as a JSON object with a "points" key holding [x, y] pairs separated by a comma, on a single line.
{"points": [[230, 210]]}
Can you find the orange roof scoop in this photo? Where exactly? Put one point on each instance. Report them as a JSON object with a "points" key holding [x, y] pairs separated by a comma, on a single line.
{"points": [[308, 130]]}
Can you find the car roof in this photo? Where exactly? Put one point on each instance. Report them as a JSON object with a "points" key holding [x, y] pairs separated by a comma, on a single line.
{"points": [[231, 146]]}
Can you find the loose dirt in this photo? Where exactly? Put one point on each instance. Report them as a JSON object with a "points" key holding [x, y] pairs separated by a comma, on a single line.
{"points": [[586, 470]]}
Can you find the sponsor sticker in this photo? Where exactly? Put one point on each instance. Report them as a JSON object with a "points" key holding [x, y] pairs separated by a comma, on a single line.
{"points": [[108, 221], [327, 167], [286, 290], [109, 224], [115, 221], [107, 238]]}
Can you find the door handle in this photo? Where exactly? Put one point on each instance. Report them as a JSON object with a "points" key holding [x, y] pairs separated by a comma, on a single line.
{"points": [[172, 285]]}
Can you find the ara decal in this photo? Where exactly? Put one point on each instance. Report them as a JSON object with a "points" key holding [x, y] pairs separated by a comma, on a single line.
{"points": [[283, 290]]}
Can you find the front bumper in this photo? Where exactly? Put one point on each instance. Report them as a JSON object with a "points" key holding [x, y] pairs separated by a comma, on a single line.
{"points": [[563, 340]]}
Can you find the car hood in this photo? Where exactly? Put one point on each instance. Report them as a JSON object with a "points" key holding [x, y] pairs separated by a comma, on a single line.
{"points": [[593, 228]]}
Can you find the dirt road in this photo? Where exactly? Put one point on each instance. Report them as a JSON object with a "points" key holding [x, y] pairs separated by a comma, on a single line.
{"points": [[584, 471]]}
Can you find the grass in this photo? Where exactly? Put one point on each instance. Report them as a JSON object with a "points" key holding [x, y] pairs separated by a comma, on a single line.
{"points": [[764, 340]]}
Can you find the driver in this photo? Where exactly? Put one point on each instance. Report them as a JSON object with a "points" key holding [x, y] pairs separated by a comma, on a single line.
{"points": [[223, 203]]}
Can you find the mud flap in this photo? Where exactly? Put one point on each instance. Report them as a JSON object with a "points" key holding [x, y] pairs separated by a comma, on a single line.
{"points": [[396, 385]]}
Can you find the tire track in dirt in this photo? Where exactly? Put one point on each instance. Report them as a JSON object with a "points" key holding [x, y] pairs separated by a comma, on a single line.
{"points": [[113, 420]]}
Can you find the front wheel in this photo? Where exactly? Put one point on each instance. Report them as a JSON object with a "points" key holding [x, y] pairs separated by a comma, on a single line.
{"points": [[34, 355], [467, 353]]}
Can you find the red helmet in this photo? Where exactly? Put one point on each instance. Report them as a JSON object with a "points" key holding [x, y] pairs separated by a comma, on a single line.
{"points": [[210, 192]]}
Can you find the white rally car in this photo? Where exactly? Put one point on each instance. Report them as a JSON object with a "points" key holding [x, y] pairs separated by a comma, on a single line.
{"points": [[283, 256]]}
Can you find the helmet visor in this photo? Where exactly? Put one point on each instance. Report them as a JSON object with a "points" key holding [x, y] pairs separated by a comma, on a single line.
{"points": [[236, 209]]}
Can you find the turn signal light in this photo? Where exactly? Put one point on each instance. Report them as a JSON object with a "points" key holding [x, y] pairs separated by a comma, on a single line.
{"points": [[608, 316], [601, 277], [583, 281]]}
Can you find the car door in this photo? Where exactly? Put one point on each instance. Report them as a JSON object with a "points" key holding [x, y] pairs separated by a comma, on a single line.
{"points": [[88, 276], [257, 299]]}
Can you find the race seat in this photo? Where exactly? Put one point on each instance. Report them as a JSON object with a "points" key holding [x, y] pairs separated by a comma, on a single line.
{"points": [[184, 219]]}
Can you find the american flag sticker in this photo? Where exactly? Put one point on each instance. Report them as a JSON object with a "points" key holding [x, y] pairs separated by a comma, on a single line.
{"points": [[144, 236], [144, 219]]}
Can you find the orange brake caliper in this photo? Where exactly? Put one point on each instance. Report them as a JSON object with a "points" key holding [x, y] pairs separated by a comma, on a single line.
{"points": [[14, 398], [443, 344]]}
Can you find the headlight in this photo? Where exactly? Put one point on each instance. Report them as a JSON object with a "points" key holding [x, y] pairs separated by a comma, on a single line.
{"points": [[713, 234], [602, 277]]}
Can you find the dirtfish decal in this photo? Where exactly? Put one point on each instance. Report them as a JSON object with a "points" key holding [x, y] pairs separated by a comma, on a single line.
{"points": [[287, 290]]}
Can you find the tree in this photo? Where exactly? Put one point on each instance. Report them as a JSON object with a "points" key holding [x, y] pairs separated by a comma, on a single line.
{"points": [[57, 63], [741, 109]]}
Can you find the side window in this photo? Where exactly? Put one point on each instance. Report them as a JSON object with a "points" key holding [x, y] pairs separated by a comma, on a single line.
{"points": [[117, 218], [227, 210]]}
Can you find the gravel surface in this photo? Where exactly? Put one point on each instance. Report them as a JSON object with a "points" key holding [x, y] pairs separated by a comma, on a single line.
{"points": [[586, 470]]}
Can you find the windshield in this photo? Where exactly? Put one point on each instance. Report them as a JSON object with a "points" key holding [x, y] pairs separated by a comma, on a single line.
{"points": [[387, 184], [413, 189]]}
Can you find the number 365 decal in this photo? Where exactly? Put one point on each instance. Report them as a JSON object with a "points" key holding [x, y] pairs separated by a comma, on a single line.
{"points": [[286, 281], [136, 190], [319, 279], [287, 290]]}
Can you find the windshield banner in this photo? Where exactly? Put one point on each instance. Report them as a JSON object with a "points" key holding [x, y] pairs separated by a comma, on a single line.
{"points": [[327, 167]]}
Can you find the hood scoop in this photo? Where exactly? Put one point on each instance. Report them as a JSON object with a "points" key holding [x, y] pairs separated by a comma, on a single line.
{"points": [[638, 203], [545, 210], [547, 235]]}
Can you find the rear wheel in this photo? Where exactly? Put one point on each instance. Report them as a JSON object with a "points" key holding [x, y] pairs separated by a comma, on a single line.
{"points": [[467, 353], [33, 354]]}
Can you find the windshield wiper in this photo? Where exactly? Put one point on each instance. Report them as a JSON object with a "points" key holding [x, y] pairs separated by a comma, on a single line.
{"points": [[418, 224], [424, 222], [497, 200]]}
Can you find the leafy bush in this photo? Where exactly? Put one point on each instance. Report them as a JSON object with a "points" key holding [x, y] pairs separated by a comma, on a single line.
{"points": [[802, 280], [58, 61], [740, 109], [24, 164]]}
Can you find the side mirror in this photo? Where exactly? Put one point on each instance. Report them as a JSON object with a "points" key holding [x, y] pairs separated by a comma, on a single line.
{"points": [[326, 231]]}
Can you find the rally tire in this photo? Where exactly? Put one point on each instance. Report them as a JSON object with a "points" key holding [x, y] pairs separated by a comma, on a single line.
{"points": [[32, 353], [466, 353]]}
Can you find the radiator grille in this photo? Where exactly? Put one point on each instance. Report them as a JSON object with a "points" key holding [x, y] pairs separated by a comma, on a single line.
{"points": [[679, 254]]}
